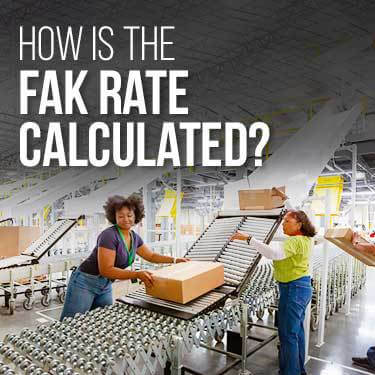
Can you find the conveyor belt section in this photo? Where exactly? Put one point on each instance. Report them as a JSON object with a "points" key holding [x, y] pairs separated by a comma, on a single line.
{"points": [[49, 238], [237, 256], [213, 239], [41, 246], [187, 311], [5, 220], [12, 262]]}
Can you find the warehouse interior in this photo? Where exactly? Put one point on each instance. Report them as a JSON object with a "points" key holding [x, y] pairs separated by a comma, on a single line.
{"points": [[303, 67]]}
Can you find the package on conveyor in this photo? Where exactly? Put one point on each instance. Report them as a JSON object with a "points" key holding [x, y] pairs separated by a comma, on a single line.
{"points": [[342, 237], [259, 199], [14, 240], [183, 282]]}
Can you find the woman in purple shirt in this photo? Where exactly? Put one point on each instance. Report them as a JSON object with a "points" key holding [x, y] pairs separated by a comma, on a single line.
{"points": [[90, 286]]}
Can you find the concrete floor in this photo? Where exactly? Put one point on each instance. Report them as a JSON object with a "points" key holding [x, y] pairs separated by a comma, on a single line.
{"points": [[346, 336]]}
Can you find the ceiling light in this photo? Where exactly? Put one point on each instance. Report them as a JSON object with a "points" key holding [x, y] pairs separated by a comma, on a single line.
{"points": [[359, 194]]}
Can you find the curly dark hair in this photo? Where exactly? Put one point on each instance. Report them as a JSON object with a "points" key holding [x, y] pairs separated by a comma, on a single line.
{"points": [[134, 202], [307, 228]]}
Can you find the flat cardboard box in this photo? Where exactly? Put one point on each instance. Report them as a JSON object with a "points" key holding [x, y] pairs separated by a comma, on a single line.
{"points": [[342, 237], [15, 240], [184, 282], [259, 199]]}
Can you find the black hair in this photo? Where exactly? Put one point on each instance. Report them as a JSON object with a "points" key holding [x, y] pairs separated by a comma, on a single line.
{"points": [[134, 202]]}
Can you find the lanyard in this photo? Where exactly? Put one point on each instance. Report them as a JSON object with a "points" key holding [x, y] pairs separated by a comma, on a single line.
{"points": [[131, 252]]}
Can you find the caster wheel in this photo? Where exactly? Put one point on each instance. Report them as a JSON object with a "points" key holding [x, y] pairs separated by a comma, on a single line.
{"points": [[61, 297], [28, 304], [314, 322], [219, 338], [332, 310], [44, 291], [12, 307], [260, 314], [46, 300], [28, 293], [270, 311]]}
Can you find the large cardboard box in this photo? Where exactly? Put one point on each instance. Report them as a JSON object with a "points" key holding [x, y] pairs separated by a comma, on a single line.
{"points": [[15, 240], [184, 282], [259, 199], [342, 237]]}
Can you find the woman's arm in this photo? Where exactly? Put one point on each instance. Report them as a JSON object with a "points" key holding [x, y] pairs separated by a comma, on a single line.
{"points": [[274, 253], [147, 254], [106, 263]]}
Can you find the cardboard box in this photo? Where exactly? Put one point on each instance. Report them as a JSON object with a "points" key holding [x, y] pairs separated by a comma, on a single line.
{"points": [[15, 240], [342, 237], [184, 282], [259, 199]]}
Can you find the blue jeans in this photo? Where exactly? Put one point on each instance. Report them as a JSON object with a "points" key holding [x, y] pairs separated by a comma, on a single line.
{"points": [[86, 292], [294, 298], [371, 356]]}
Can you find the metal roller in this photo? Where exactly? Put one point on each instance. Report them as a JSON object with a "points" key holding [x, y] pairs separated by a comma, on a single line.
{"points": [[231, 281], [240, 244], [254, 230], [209, 253], [216, 241], [225, 260], [258, 219], [228, 271], [233, 254], [240, 250], [243, 249], [201, 258], [203, 247], [238, 261], [257, 224], [233, 276], [198, 251]]}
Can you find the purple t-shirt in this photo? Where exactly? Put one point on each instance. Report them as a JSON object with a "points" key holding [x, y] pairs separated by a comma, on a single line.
{"points": [[110, 239]]}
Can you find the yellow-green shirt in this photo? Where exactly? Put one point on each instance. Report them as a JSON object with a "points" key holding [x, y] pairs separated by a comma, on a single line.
{"points": [[297, 251]]}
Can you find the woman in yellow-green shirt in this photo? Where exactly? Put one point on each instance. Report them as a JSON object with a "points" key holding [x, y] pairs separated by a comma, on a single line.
{"points": [[291, 270]]}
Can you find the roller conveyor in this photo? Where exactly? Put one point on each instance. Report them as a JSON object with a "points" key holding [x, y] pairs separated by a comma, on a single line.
{"points": [[49, 238], [187, 311], [41, 246], [139, 336], [239, 260], [16, 261]]}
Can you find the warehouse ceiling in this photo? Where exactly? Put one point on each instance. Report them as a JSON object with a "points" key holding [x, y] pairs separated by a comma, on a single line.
{"points": [[275, 61]]}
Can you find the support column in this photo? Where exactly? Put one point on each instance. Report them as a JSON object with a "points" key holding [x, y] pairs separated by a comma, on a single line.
{"points": [[306, 323], [324, 276], [352, 216], [177, 354], [178, 213], [147, 202], [243, 332]]}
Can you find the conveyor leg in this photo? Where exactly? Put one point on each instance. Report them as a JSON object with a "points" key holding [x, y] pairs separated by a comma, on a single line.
{"points": [[176, 363], [243, 332]]}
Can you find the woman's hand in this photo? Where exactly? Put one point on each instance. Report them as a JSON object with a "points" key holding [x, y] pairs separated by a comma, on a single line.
{"points": [[146, 277], [240, 236], [356, 238], [182, 260], [278, 193]]}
